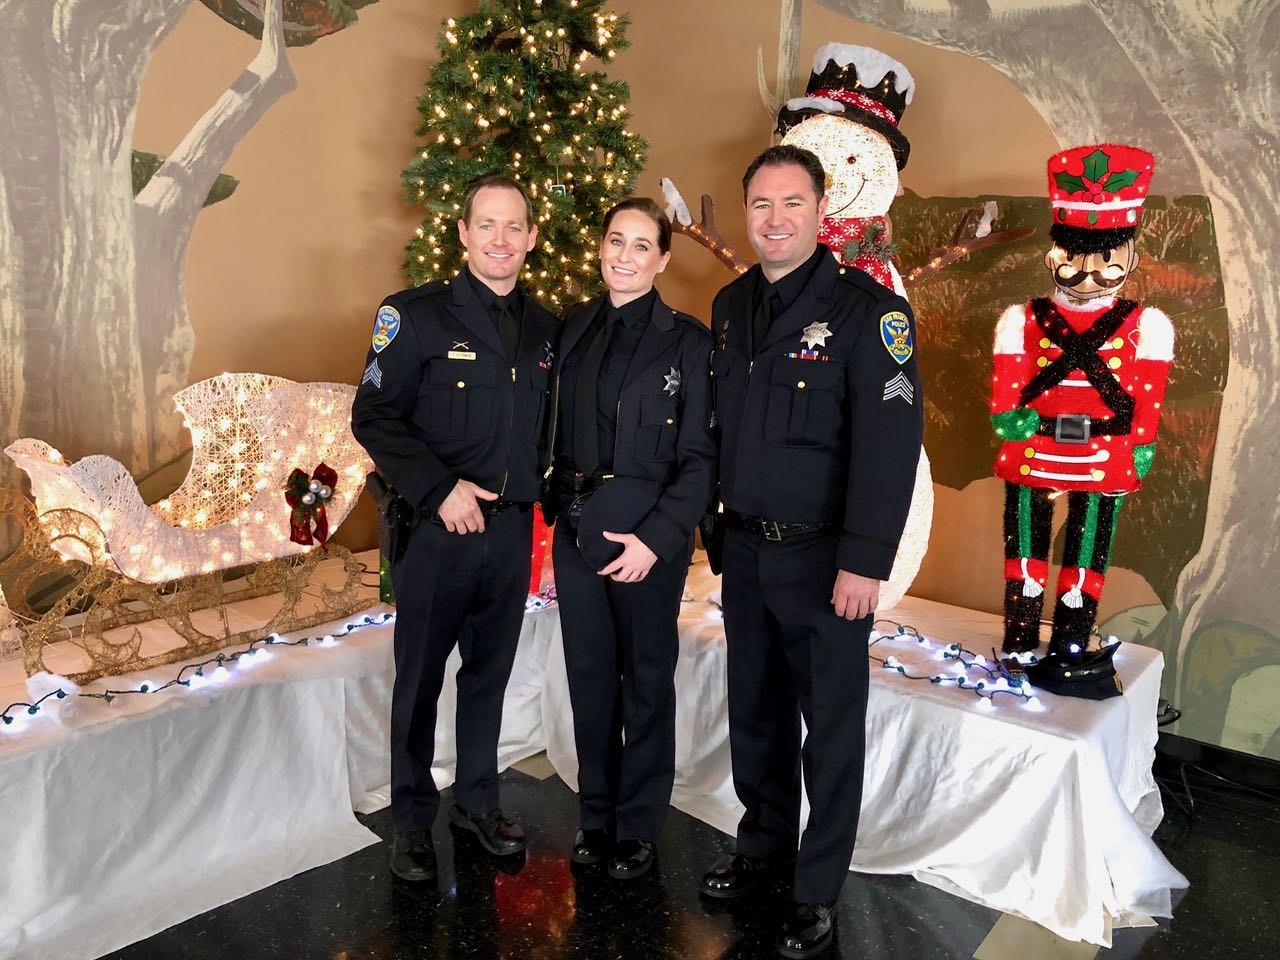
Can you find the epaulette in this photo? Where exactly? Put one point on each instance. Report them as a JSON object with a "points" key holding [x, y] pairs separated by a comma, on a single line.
{"points": [[867, 284], [692, 321]]}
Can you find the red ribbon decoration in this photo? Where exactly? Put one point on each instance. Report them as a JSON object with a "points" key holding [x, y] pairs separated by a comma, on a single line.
{"points": [[303, 515]]}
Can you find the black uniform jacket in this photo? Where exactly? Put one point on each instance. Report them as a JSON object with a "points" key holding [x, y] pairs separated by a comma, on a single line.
{"points": [[834, 437], [446, 404], [663, 431]]}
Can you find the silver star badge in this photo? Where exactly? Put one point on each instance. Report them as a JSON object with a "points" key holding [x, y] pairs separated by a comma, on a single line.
{"points": [[815, 335], [673, 382]]}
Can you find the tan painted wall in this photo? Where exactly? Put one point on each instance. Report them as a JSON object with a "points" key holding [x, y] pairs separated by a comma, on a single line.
{"points": [[284, 277]]}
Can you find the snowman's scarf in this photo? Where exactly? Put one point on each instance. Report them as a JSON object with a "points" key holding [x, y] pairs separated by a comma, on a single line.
{"points": [[867, 233]]}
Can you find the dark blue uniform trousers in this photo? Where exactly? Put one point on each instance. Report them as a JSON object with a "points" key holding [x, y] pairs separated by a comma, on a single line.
{"points": [[621, 644], [790, 657], [465, 590]]}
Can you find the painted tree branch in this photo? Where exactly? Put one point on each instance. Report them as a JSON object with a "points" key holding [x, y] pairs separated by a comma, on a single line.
{"points": [[706, 232], [182, 183], [964, 241], [165, 214]]}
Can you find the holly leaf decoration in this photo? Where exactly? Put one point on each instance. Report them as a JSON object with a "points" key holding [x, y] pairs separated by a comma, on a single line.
{"points": [[1069, 182], [1093, 217], [1125, 178], [1096, 165]]}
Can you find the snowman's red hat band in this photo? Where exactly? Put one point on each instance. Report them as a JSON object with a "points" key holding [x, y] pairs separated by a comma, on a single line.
{"points": [[860, 100]]}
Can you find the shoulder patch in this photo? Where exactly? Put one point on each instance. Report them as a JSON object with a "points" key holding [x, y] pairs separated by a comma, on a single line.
{"points": [[385, 327], [895, 333], [1011, 330]]}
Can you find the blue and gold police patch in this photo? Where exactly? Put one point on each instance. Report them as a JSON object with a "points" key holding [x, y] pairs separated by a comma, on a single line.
{"points": [[895, 331], [385, 327]]}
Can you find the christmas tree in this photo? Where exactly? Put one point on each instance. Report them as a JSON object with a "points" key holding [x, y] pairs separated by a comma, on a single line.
{"points": [[513, 93]]}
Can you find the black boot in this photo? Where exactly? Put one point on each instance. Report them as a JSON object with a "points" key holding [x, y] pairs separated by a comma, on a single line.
{"points": [[591, 846], [1072, 626], [498, 834], [807, 930], [741, 874], [413, 856], [632, 858]]}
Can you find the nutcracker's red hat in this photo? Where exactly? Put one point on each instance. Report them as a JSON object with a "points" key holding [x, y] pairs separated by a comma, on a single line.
{"points": [[1100, 186]]}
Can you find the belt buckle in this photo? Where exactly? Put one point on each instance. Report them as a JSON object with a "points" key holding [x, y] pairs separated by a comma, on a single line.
{"points": [[771, 530], [1071, 428]]}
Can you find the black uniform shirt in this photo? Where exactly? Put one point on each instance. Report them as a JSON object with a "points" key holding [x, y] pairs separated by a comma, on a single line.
{"points": [[778, 296], [629, 325], [489, 299]]}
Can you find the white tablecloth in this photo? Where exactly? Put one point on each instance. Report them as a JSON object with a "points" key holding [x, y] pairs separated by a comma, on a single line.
{"points": [[104, 809], [1046, 815]]}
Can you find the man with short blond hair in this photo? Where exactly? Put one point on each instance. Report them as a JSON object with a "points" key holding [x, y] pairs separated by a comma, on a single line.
{"points": [[452, 408]]}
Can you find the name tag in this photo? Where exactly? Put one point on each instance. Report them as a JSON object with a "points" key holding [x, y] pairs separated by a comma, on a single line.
{"points": [[460, 355]]}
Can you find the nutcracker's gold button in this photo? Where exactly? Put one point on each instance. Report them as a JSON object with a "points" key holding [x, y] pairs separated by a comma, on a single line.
{"points": [[1025, 469], [1045, 343], [1042, 361], [1097, 474], [842, 271], [1066, 673], [800, 385], [1118, 342], [1115, 363], [670, 421], [461, 384], [1029, 452]]}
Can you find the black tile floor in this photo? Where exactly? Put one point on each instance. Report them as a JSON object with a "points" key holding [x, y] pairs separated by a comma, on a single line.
{"points": [[540, 909]]}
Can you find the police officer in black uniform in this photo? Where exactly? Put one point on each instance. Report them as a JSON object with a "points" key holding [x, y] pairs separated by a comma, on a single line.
{"points": [[818, 400], [452, 409], [634, 469]]}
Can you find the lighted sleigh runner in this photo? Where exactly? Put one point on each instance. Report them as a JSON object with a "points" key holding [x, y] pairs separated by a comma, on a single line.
{"points": [[274, 471]]}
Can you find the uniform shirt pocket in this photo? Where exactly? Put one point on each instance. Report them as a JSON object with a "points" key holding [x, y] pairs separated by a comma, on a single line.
{"points": [[804, 402], [462, 400], [656, 429]]}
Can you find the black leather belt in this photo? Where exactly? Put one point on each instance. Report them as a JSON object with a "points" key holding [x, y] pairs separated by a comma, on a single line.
{"points": [[488, 509], [774, 530], [1081, 428]]}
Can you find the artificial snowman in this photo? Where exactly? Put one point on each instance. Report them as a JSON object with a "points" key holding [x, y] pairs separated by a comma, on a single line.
{"points": [[848, 118]]}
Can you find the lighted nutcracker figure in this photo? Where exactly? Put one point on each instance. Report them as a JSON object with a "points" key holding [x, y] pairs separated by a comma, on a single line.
{"points": [[1077, 388]]}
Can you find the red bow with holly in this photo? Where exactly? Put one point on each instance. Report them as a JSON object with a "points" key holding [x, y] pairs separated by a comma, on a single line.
{"points": [[308, 496], [861, 242]]}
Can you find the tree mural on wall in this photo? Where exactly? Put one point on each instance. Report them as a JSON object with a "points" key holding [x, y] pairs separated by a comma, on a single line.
{"points": [[94, 333], [1193, 82]]}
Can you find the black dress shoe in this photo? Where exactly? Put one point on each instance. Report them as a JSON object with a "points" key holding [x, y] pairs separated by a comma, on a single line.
{"points": [[632, 858], [413, 856], [497, 834], [591, 846], [741, 874], [807, 930]]}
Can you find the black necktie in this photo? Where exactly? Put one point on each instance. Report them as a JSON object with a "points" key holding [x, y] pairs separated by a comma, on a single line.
{"points": [[508, 324], [586, 453], [768, 306]]}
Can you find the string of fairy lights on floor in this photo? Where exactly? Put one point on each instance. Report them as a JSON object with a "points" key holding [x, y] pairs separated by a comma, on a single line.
{"points": [[193, 676]]}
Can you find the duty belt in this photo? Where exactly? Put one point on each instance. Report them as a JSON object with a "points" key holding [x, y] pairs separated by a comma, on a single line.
{"points": [[488, 508], [773, 530]]}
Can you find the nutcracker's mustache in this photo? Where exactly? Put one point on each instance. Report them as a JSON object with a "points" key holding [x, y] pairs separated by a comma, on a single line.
{"points": [[1069, 279]]}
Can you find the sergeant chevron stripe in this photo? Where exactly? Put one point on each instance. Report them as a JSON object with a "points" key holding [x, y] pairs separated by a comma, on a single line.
{"points": [[372, 374], [899, 386]]}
